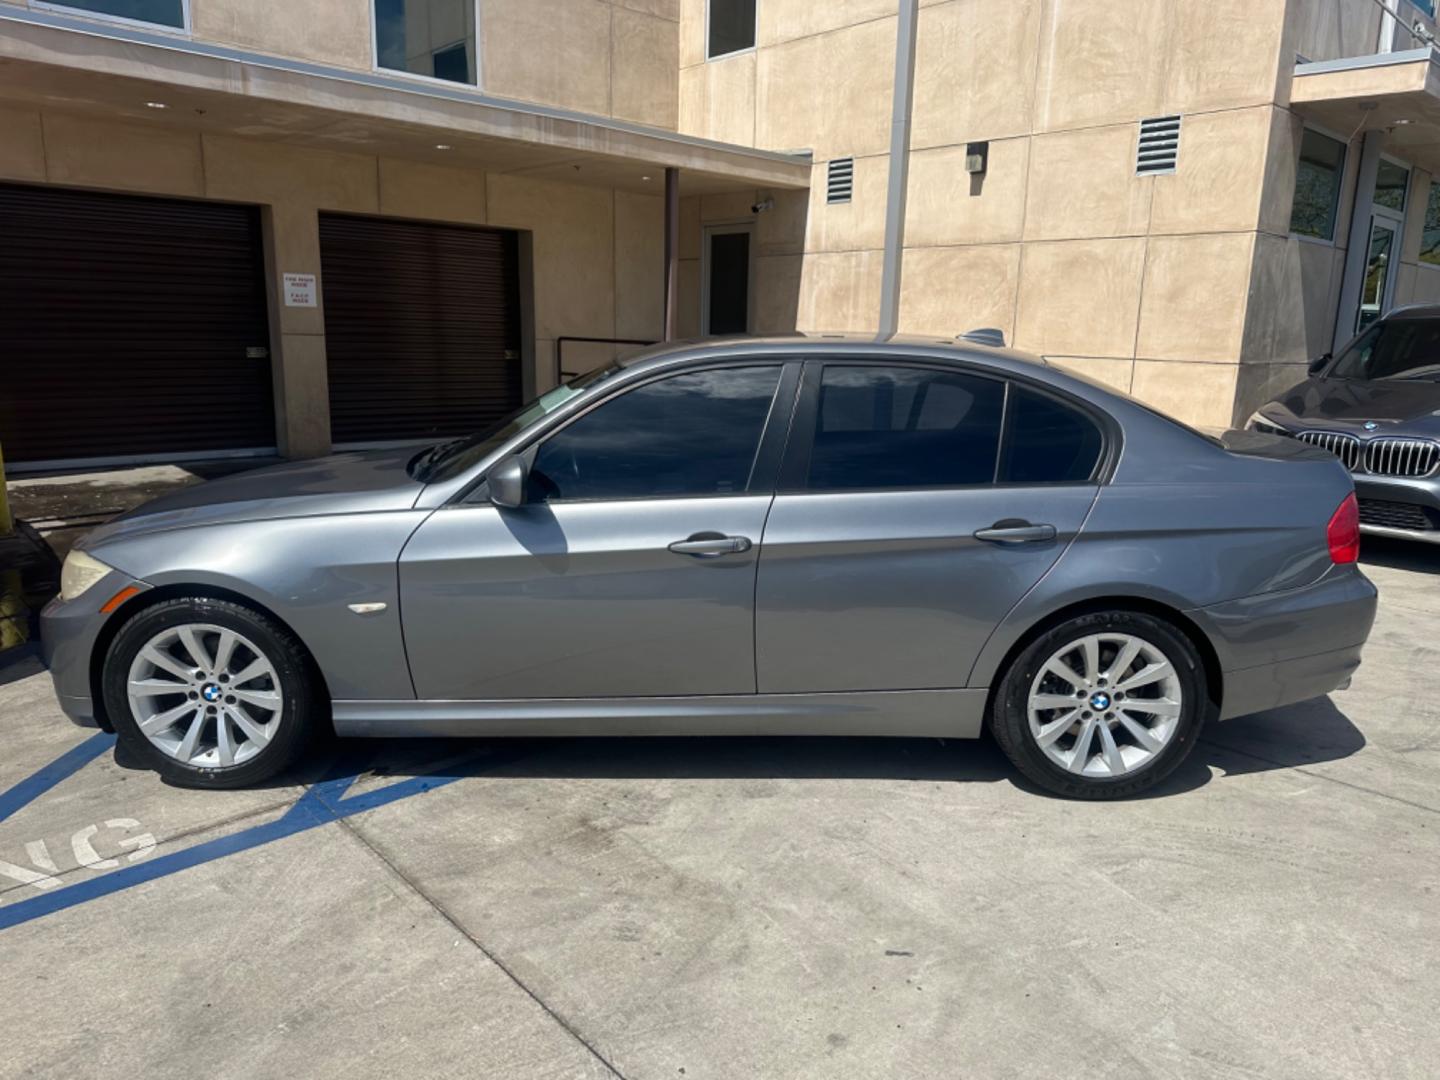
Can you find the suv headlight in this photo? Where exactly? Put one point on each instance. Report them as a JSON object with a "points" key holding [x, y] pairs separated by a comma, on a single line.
{"points": [[79, 573], [1260, 422]]}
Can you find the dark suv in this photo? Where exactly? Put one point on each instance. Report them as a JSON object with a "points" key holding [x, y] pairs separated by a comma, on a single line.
{"points": [[1377, 408]]}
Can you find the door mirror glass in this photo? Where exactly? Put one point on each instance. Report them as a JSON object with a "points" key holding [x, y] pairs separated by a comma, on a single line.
{"points": [[506, 482], [1318, 364]]}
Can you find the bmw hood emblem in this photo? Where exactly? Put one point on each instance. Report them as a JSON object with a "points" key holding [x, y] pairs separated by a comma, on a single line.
{"points": [[1371, 425]]}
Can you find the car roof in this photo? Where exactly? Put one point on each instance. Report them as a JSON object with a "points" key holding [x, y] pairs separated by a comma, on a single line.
{"points": [[696, 349]]}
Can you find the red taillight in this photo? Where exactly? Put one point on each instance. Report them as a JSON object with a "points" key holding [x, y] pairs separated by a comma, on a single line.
{"points": [[1343, 532]]}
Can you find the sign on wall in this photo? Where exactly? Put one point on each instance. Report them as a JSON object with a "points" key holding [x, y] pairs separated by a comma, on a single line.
{"points": [[300, 290]]}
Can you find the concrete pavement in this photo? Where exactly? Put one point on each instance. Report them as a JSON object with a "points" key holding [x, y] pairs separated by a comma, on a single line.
{"points": [[748, 908]]}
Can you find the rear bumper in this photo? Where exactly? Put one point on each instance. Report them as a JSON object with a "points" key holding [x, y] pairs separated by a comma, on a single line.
{"points": [[1279, 648]]}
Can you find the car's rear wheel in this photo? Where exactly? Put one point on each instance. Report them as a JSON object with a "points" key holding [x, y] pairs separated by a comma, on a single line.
{"points": [[1103, 705], [209, 693]]}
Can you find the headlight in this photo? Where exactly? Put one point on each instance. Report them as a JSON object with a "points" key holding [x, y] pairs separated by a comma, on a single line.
{"points": [[79, 573], [1260, 422]]}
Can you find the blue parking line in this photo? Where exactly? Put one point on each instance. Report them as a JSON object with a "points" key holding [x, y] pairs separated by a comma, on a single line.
{"points": [[322, 803], [66, 765]]}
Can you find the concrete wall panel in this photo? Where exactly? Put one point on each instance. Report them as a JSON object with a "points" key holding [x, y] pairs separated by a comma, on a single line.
{"points": [[22, 144], [949, 290], [1080, 297], [336, 32], [645, 69], [1091, 71], [1083, 184], [419, 190], [946, 205], [89, 152], [830, 93], [1194, 301], [1224, 54], [974, 71], [1221, 176]]}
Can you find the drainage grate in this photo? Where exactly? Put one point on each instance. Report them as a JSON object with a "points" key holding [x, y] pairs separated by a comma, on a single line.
{"points": [[1159, 147], [840, 182]]}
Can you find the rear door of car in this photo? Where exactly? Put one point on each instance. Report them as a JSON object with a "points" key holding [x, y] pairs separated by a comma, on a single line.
{"points": [[917, 504]]}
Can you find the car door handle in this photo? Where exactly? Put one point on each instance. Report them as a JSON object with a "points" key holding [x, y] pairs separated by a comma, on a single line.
{"points": [[1015, 531], [711, 545]]}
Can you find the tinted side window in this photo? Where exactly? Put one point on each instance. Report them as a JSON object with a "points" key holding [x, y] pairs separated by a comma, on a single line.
{"points": [[1048, 442], [692, 434], [896, 427]]}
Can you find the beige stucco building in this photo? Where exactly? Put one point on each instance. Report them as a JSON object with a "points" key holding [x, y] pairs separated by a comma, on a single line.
{"points": [[1184, 200]]}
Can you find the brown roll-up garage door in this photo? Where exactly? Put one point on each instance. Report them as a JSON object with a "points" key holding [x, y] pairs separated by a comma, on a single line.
{"points": [[422, 327], [130, 327]]}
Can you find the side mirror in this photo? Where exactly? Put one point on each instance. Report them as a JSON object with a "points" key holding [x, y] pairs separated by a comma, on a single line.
{"points": [[1319, 363], [507, 482]]}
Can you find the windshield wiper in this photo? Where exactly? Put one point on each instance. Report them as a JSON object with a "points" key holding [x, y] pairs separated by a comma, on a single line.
{"points": [[421, 465]]}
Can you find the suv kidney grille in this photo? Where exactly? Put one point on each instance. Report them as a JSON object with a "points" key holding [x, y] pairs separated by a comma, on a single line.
{"points": [[1401, 457], [1345, 447]]}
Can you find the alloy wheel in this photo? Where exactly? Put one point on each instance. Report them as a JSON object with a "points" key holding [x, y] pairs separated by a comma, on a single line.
{"points": [[205, 695], [1105, 705]]}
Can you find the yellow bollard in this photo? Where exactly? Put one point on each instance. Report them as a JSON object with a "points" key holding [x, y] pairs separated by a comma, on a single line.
{"points": [[14, 615]]}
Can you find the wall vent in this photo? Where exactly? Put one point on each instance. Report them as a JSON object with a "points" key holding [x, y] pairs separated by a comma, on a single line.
{"points": [[840, 181], [1159, 145]]}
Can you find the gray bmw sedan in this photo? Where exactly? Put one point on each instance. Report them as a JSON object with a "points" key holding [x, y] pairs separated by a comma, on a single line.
{"points": [[795, 536]]}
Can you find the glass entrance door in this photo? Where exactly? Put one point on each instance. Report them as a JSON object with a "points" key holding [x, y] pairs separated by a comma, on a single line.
{"points": [[1379, 283]]}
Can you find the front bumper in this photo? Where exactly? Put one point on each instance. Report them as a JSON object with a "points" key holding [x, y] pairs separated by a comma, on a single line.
{"points": [[1402, 507], [1279, 648], [68, 633]]}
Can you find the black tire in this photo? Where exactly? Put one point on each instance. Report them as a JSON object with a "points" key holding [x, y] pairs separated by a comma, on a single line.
{"points": [[303, 700], [1009, 716]]}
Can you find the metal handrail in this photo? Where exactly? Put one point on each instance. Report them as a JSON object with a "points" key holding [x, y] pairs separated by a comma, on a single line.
{"points": [[561, 375]]}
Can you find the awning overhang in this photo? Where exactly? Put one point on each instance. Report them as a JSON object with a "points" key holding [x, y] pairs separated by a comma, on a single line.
{"points": [[1398, 93], [57, 62]]}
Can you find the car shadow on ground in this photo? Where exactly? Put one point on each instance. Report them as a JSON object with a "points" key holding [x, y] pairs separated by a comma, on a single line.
{"points": [[20, 662], [1400, 554], [1307, 734]]}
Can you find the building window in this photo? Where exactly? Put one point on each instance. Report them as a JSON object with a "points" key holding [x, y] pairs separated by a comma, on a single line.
{"points": [[169, 13], [1430, 240], [731, 27], [435, 38], [1391, 180], [1427, 6], [1317, 185]]}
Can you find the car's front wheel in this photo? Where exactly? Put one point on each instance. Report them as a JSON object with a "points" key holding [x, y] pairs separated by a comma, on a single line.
{"points": [[1103, 705], [209, 693]]}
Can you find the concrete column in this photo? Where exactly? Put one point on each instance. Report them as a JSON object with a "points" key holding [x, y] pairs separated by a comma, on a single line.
{"points": [[672, 249], [1357, 249], [297, 334]]}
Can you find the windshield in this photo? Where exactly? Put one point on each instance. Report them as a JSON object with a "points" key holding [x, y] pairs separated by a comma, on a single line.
{"points": [[1399, 349], [444, 461]]}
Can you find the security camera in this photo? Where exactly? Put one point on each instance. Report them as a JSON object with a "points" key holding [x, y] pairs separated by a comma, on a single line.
{"points": [[761, 206]]}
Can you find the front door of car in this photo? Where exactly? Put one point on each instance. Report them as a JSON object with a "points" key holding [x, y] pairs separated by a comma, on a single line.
{"points": [[917, 505], [630, 569]]}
